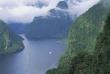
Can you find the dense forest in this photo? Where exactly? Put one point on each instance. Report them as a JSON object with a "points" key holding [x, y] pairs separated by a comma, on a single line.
{"points": [[9, 42], [82, 42], [97, 62]]}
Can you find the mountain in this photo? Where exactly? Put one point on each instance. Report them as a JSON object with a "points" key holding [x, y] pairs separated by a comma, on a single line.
{"points": [[97, 62], [83, 34], [62, 5], [56, 24], [18, 28], [9, 42]]}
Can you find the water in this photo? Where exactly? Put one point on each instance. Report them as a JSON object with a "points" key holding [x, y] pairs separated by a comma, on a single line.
{"points": [[37, 57]]}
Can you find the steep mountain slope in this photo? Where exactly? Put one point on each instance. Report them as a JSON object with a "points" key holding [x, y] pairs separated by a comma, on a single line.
{"points": [[9, 42], [18, 28], [56, 24], [83, 34], [97, 62]]}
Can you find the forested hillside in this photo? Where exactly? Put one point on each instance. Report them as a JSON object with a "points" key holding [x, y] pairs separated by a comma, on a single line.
{"points": [[97, 62], [9, 42], [83, 35]]}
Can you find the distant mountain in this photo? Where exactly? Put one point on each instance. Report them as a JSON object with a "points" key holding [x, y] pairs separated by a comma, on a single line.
{"points": [[56, 24], [9, 42], [18, 28], [82, 36], [62, 5]]}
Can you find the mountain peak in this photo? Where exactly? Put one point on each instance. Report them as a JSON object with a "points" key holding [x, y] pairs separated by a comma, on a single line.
{"points": [[62, 5]]}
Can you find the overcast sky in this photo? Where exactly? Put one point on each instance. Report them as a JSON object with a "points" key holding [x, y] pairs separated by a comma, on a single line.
{"points": [[24, 11]]}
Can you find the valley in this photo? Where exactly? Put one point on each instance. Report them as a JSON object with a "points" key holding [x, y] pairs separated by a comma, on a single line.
{"points": [[58, 37]]}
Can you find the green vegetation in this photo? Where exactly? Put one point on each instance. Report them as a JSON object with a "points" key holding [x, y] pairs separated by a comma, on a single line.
{"points": [[9, 42], [65, 40], [82, 38], [97, 62]]}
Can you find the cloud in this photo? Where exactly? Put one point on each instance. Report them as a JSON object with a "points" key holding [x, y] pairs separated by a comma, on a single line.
{"points": [[24, 11], [80, 7]]}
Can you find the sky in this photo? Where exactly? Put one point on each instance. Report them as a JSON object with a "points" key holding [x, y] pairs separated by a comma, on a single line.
{"points": [[24, 11]]}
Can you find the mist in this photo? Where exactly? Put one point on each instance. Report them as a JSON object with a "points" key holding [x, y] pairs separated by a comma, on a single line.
{"points": [[106, 3], [24, 11], [81, 6]]}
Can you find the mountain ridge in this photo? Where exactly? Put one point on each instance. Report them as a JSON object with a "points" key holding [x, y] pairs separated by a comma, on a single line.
{"points": [[9, 42], [82, 35], [56, 24]]}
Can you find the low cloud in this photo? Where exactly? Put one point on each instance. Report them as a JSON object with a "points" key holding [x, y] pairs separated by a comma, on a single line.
{"points": [[81, 6], [24, 11]]}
